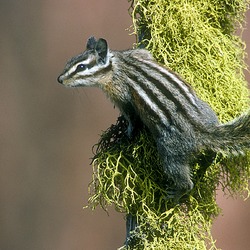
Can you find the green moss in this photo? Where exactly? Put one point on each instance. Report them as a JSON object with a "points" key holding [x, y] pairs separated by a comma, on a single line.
{"points": [[128, 175], [195, 39]]}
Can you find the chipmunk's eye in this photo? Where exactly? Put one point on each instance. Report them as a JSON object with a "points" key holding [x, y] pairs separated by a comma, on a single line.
{"points": [[81, 67]]}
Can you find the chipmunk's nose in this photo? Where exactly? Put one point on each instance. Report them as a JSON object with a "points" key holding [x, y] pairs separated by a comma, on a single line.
{"points": [[60, 79]]}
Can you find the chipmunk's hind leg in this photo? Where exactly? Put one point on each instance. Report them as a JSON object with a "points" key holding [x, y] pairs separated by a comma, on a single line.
{"points": [[175, 157]]}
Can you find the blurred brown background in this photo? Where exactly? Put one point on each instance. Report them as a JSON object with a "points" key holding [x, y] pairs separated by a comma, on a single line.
{"points": [[47, 131]]}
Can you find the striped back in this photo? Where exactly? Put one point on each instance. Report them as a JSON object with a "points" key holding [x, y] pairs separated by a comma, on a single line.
{"points": [[159, 94], [139, 86]]}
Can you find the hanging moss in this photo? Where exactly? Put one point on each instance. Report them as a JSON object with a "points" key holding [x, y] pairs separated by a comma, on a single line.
{"points": [[128, 175], [196, 39]]}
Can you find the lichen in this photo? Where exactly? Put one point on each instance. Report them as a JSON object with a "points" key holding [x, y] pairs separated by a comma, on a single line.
{"points": [[197, 40]]}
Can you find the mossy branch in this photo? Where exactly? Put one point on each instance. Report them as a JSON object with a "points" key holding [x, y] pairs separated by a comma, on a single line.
{"points": [[196, 39]]}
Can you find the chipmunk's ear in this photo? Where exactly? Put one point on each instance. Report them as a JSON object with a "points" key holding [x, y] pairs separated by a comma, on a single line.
{"points": [[91, 43], [101, 49]]}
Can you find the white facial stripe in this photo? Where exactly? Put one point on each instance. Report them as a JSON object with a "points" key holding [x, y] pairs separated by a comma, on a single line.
{"points": [[73, 68], [94, 69], [88, 72]]}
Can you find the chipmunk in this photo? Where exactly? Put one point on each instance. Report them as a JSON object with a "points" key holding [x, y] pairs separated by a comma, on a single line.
{"points": [[181, 123]]}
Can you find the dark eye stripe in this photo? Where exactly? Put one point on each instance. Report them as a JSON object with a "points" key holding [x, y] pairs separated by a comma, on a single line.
{"points": [[81, 67]]}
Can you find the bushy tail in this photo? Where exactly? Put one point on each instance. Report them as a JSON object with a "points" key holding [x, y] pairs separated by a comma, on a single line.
{"points": [[232, 137]]}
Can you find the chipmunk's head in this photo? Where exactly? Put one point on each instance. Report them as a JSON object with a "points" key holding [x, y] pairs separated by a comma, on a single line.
{"points": [[89, 67]]}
